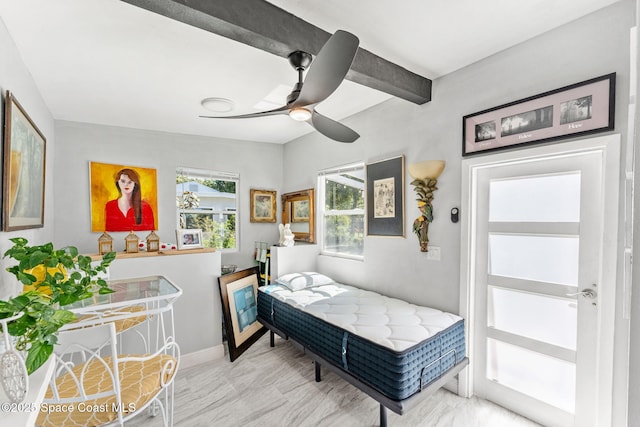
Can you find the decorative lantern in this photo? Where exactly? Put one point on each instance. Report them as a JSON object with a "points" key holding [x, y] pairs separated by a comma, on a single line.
{"points": [[153, 242], [105, 243], [131, 243]]}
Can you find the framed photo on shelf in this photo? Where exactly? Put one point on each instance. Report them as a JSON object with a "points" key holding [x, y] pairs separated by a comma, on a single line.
{"points": [[238, 294], [23, 173], [385, 197], [581, 108], [263, 206], [189, 238]]}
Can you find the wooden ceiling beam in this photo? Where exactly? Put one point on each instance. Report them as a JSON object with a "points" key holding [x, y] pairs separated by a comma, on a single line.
{"points": [[260, 24]]}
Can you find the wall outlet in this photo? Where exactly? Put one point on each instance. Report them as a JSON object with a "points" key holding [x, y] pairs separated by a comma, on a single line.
{"points": [[434, 253]]}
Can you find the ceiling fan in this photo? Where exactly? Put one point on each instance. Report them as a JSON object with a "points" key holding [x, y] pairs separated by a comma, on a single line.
{"points": [[329, 69]]}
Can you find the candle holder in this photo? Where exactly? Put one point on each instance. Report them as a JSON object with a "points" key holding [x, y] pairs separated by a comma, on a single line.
{"points": [[105, 243]]}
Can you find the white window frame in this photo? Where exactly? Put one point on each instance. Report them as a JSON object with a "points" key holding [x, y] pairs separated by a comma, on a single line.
{"points": [[322, 213], [214, 175]]}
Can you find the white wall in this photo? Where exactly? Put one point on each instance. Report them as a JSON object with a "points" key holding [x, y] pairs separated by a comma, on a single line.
{"points": [[14, 76], [595, 45]]}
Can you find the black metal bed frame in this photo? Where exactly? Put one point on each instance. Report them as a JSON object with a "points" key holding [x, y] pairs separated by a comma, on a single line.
{"points": [[397, 406]]}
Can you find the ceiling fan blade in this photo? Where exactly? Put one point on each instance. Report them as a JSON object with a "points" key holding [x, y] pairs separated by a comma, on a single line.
{"points": [[329, 68], [280, 110], [332, 129]]}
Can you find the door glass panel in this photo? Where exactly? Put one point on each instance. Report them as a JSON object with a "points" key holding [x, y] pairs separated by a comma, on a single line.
{"points": [[551, 198], [541, 258], [545, 378], [548, 319]]}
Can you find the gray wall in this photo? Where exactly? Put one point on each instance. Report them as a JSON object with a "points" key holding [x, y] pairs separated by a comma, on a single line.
{"points": [[593, 46], [259, 166]]}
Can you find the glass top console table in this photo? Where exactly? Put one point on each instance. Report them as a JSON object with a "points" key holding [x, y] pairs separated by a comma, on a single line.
{"points": [[143, 304]]}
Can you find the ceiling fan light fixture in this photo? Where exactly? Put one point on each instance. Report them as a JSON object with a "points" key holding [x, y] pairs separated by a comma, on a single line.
{"points": [[300, 114], [218, 105]]}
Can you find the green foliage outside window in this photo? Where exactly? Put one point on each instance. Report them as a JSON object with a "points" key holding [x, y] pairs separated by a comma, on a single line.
{"points": [[344, 231], [218, 229]]}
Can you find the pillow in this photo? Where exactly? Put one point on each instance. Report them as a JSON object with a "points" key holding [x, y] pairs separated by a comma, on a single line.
{"points": [[307, 279]]}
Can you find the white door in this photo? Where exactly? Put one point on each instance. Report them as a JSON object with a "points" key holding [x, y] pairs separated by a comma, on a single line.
{"points": [[536, 271]]}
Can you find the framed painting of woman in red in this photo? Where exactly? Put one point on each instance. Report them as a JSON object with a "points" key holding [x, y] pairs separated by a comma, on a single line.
{"points": [[123, 198]]}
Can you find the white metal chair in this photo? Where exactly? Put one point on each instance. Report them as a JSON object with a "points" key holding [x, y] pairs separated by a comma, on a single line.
{"points": [[93, 385]]}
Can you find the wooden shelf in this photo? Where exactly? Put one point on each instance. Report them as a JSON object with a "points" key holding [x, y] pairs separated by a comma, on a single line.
{"points": [[143, 254]]}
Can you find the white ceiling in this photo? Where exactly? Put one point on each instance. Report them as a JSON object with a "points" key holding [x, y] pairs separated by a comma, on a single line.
{"points": [[107, 62]]}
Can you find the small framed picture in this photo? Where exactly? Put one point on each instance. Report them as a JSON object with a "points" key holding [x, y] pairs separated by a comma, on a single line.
{"points": [[189, 238], [263, 206]]}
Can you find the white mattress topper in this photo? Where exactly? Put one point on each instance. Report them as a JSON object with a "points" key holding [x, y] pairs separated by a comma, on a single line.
{"points": [[386, 321]]}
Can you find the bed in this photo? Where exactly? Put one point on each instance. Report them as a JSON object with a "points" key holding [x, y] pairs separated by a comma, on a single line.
{"points": [[394, 351]]}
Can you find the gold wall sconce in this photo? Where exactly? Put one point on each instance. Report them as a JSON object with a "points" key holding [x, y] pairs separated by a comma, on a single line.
{"points": [[425, 178]]}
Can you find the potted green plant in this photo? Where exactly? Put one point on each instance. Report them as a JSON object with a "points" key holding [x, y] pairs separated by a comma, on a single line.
{"points": [[52, 278]]}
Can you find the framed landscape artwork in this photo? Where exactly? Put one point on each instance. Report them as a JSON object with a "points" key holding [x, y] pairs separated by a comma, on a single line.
{"points": [[582, 108], [263, 206], [23, 169], [238, 294]]}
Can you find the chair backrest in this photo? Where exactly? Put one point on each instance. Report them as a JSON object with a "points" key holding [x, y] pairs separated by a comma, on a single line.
{"points": [[85, 365]]}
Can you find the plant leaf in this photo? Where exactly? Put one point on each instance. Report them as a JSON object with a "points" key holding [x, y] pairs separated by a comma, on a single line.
{"points": [[37, 354]]}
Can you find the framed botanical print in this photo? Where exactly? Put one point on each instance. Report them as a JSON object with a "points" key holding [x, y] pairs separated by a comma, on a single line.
{"points": [[23, 169], [263, 206], [385, 197], [238, 294]]}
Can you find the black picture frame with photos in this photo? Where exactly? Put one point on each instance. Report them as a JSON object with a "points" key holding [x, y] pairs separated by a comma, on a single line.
{"points": [[579, 109]]}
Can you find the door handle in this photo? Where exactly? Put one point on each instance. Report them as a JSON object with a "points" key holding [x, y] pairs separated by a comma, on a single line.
{"points": [[587, 293]]}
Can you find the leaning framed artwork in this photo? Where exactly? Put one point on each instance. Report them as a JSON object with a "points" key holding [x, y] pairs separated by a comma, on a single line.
{"points": [[238, 294], [123, 198], [582, 108], [23, 173], [385, 197], [263, 206]]}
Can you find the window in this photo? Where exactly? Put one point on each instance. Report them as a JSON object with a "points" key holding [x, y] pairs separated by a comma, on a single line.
{"points": [[341, 211], [208, 200]]}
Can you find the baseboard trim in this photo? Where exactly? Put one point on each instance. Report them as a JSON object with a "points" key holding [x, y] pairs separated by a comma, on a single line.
{"points": [[202, 356]]}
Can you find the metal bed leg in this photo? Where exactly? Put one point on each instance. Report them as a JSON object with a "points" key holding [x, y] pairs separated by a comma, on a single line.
{"points": [[318, 373], [272, 339], [383, 416]]}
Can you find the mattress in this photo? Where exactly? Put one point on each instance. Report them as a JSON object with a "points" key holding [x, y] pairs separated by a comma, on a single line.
{"points": [[395, 347]]}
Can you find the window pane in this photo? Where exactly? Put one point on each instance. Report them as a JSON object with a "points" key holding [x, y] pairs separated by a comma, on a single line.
{"points": [[218, 230], [542, 377], [547, 319], [343, 211], [344, 234], [343, 193], [541, 258], [209, 204], [552, 198]]}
